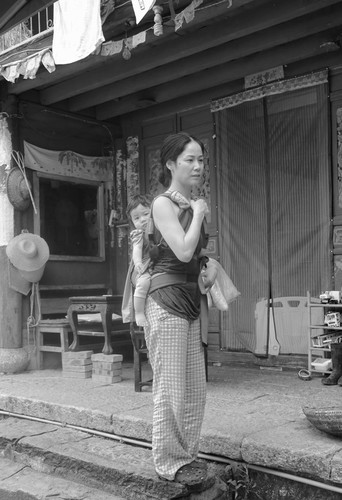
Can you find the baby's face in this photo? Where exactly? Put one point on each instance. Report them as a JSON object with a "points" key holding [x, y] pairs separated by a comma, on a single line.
{"points": [[140, 216]]}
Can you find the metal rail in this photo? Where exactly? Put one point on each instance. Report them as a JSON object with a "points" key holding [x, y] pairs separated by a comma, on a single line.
{"points": [[34, 27]]}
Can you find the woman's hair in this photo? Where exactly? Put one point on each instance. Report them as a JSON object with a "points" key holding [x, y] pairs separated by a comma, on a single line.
{"points": [[138, 199], [172, 147]]}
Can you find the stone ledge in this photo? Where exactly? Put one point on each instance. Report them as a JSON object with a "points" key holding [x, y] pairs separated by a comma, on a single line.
{"points": [[109, 465]]}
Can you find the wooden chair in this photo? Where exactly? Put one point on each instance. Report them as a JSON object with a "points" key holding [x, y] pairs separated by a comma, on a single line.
{"points": [[139, 354]]}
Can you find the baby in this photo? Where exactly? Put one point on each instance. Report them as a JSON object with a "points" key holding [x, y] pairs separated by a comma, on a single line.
{"points": [[138, 211]]}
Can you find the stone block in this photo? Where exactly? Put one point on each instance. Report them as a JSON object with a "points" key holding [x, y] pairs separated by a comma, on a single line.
{"points": [[109, 373], [77, 354], [108, 366], [80, 369], [80, 375], [106, 379], [107, 357], [76, 362]]}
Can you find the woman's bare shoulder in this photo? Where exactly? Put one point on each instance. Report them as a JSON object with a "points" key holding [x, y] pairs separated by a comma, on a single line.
{"points": [[164, 209], [162, 202]]}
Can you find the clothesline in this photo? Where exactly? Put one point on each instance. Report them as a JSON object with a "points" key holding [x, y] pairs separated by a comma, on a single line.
{"points": [[28, 66]]}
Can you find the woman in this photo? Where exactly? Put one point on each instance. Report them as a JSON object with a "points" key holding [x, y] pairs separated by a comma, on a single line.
{"points": [[172, 333]]}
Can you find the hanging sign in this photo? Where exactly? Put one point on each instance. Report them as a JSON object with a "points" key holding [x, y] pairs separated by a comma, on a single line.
{"points": [[141, 7]]}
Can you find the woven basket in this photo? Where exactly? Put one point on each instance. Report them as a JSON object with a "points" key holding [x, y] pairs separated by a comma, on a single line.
{"points": [[328, 419]]}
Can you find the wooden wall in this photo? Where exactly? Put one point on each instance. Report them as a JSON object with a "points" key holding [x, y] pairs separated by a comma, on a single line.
{"points": [[193, 115], [55, 130]]}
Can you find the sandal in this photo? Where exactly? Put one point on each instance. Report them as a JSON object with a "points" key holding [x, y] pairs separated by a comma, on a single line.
{"points": [[199, 464], [191, 476]]}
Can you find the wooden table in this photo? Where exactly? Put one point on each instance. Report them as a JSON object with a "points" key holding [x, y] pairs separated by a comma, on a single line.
{"points": [[106, 305]]}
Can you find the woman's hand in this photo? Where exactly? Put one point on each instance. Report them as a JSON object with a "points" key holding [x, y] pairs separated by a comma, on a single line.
{"points": [[208, 275], [199, 207]]}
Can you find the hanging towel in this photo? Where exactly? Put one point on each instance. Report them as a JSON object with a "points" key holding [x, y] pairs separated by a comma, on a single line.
{"points": [[77, 29]]}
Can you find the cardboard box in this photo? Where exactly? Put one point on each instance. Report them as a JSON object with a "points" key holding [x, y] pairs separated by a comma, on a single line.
{"points": [[322, 364]]}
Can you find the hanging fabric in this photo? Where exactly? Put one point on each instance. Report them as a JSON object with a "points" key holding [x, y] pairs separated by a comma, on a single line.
{"points": [[273, 165], [77, 30], [68, 163], [141, 7]]}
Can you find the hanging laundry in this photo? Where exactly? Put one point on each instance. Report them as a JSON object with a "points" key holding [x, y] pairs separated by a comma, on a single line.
{"points": [[141, 7], [77, 30]]}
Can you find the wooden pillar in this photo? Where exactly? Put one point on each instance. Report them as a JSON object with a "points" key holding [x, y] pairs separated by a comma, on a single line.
{"points": [[13, 357]]}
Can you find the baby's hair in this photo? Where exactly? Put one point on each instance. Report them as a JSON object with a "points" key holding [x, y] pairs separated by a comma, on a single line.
{"points": [[138, 199]]}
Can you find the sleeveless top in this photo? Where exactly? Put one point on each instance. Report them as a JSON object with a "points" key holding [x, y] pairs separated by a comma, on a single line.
{"points": [[180, 299]]}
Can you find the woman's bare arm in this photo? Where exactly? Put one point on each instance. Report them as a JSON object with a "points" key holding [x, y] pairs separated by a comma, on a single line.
{"points": [[165, 215]]}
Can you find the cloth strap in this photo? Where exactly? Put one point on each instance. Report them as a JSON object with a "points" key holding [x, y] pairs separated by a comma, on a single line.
{"points": [[166, 279]]}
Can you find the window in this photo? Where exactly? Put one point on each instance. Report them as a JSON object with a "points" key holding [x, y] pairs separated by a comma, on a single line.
{"points": [[70, 217]]}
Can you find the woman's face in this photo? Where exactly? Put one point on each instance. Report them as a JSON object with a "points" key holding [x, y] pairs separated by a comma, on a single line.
{"points": [[187, 170]]}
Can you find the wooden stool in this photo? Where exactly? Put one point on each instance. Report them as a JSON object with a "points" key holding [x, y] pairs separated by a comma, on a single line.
{"points": [[140, 351], [54, 326]]}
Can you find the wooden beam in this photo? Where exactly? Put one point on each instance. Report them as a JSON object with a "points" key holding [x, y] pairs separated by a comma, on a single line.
{"points": [[96, 63], [236, 27], [203, 97], [26, 9], [10, 11], [237, 49], [284, 54]]}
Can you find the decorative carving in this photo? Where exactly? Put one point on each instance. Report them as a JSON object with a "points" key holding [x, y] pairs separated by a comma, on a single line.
{"points": [[158, 20], [85, 307], [270, 89], [264, 77]]}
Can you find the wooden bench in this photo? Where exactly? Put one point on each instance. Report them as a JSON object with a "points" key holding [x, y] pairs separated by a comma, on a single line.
{"points": [[54, 332]]}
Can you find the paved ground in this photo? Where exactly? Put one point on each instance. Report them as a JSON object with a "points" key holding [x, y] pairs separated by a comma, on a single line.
{"points": [[252, 415]]}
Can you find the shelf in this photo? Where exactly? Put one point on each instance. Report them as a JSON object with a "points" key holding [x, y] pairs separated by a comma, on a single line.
{"points": [[325, 327], [319, 304], [324, 349]]}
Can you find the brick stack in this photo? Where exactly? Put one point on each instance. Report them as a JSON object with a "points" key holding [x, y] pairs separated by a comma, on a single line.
{"points": [[77, 364], [107, 368]]}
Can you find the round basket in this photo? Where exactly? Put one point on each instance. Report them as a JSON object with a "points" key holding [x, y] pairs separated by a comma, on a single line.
{"points": [[17, 190], [328, 419]]}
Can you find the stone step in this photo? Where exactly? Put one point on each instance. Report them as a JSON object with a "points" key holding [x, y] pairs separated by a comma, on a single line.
{"points": [[21, 482], [109, 466]]}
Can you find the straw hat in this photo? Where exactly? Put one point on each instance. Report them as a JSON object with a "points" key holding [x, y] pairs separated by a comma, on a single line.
{"points": [[28, 253], [17, 189]]}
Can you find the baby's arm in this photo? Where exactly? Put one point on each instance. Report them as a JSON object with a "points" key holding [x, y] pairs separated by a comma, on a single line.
{"points": [[137, 241]]}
